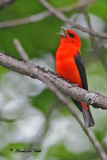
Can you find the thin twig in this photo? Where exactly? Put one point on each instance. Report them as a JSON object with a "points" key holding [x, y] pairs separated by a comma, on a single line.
{"points": [[81, 5], [8, 119], [62, 17], [21, 50], [94, 43], [5, 3]]}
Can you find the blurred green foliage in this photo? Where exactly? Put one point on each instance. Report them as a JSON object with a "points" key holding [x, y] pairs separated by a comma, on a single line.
{"points": [[40, 38]]}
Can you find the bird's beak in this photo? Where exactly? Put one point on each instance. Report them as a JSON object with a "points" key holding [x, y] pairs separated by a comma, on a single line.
{"points": [[65, 32]]}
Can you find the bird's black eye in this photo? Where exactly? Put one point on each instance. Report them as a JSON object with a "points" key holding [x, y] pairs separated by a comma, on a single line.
{"points": [[72, 35]]}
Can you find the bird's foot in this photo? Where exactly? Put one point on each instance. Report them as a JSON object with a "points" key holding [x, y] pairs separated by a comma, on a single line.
{"points": [[75, 85], [67, 80], [59, 76]]}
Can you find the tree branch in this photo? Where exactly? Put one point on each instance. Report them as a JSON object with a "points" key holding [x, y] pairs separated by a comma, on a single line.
{"points": [[94, 42], [81, 5], [90, 98], [21, 50], [43, 15], [5, 3], [8, 119], [62, 17]]}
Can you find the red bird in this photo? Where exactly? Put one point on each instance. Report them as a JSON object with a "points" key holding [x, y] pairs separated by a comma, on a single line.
{"points": [[70, 65]]}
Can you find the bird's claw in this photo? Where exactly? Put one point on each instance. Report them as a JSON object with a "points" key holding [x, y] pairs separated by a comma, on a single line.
{"points": [[59, 76], [76, 85], [67, 80]]}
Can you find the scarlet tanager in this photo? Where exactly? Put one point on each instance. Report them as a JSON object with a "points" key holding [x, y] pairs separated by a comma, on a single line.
{"points": [[70, 65]]}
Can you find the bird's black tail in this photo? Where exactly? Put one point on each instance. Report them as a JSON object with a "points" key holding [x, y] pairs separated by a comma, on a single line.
{"points": [[88, 119]]}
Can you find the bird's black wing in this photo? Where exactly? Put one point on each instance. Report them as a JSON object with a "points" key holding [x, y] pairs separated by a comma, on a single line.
{"points": [[88, 119], [81, 67]]}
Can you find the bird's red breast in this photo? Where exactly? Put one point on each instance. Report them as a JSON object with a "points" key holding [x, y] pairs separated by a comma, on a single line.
{"points": [[65, 59]]}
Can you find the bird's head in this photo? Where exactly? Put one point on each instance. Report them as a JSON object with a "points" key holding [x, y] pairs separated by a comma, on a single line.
{"points": [[70, 37]]}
